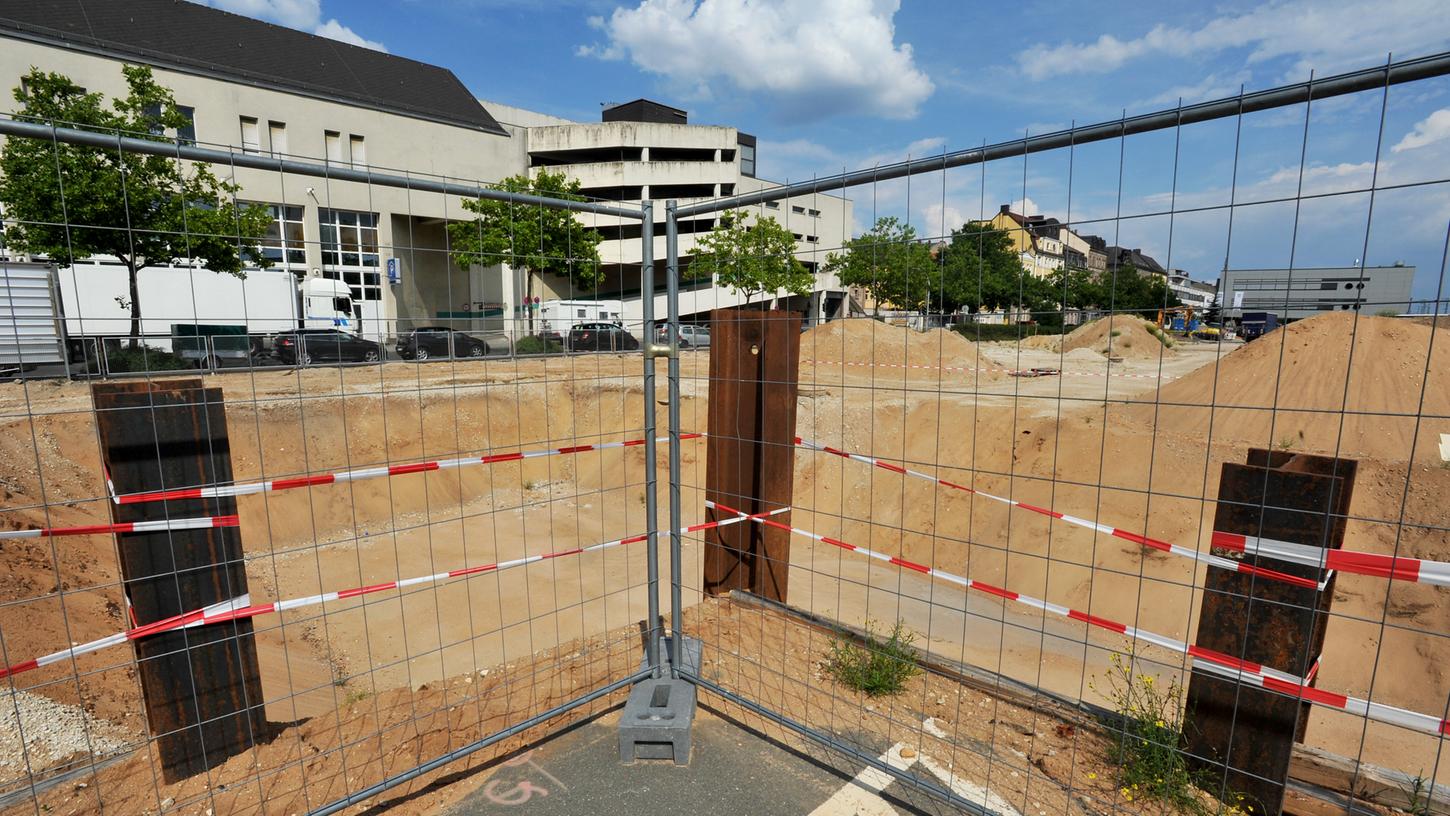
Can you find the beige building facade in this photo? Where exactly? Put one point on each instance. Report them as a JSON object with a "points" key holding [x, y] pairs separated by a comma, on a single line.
{"points": [[348, 231]]}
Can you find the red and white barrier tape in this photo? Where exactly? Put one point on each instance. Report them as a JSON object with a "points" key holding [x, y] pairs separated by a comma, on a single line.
{"points": [[1396, 568], [991, 370], [1117, 532], [1207, 659], [240, 608], [247, 488], [158, 526]]}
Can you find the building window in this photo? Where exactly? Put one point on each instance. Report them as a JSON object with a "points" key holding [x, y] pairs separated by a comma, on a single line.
{"points": [[814, 213], [359, 150], [747, 160], [772, 205], [251, 135], [350, 251], [799, 210], [186, 134], [277, 137], [285, 242], [364, 285], [333, 141]]}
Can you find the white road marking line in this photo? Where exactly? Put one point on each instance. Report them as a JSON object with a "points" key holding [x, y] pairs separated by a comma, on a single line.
{"points": [[929, 724], [862, 795], [968, 790]]}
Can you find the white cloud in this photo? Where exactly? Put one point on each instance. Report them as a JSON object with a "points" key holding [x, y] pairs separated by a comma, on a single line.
{"points": [[303, 15], [941, 219], [812, 60], [1431, 129], [1325, 35], [334, 30], [1213, 86]]}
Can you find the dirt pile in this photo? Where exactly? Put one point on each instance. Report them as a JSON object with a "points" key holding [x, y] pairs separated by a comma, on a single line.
{"points": [[1045, 342], [871, 343], [1125, 336], [1371, 387]]}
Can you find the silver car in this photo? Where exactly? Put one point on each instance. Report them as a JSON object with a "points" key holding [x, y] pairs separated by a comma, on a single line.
{"points": [[690, 336]]}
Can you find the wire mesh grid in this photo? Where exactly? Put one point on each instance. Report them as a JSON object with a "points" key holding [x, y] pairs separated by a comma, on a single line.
{"points": [[1005, 553], [1026, 499], [433, 531]]}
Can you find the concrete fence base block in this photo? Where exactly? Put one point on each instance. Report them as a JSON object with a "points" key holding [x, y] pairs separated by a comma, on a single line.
{"points": [[656, 720]]}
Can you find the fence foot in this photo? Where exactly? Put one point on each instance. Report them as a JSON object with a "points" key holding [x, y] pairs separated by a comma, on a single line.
{"points": [[657, 718]]}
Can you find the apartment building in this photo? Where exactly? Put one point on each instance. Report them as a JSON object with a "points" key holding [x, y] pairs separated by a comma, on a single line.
{"points": [[252, 86], [1046, 245]]}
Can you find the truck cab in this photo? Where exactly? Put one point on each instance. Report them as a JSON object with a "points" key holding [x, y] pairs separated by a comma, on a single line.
{"points": [[327, 304], [1254, 325]]}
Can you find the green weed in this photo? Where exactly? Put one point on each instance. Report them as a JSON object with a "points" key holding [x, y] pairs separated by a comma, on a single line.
{"points": [[877, 668], [1150, 763]]}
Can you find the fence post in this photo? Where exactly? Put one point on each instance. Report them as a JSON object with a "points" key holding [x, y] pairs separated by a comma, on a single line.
{"points": [[1240, 733], [754, 364], [202, 685]]}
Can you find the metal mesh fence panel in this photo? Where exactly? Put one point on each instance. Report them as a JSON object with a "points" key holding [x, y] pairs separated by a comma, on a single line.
{"points": [[1056, 527]]}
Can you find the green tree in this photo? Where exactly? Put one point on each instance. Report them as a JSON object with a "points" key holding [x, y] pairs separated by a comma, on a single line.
{"points": [[533, 237], [1123, 289], [1075, 288], [981, 270], [70, 202], [752, 257], [890, 264]]}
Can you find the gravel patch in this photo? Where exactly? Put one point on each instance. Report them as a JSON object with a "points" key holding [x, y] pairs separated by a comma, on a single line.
{"points": [[52, 731]]}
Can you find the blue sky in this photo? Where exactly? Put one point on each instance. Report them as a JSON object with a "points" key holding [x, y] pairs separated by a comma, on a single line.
{"points": [[841, 84]]}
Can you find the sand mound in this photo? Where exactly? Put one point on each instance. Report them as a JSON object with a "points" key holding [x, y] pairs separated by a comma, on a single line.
{"points": [[1045, 342], [1364, 387], [871, 343], [1124, 336]]}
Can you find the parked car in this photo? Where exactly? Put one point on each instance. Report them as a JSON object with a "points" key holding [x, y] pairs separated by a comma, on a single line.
{"points": [[697, 336], [440, 341], [601, 337], [308, 346]]}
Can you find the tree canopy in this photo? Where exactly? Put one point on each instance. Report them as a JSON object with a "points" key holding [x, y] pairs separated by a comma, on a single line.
{"points": [[982, 271], [70, 202], [529, 236], [891, 264], [1124, 289], [752, 256]]}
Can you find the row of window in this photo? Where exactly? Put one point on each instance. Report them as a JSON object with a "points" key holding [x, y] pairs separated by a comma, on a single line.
{"points": [[348, 239], [798, 210], [353, 150]]}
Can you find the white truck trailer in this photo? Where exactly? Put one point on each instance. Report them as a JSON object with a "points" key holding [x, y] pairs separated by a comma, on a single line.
{"points": [[32, 331], [557, 317]]}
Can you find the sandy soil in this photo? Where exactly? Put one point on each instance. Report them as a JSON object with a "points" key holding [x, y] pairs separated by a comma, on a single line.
{"points": [[1145, 461], [1125, 336], [1102, 441], [1043, 758]]}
